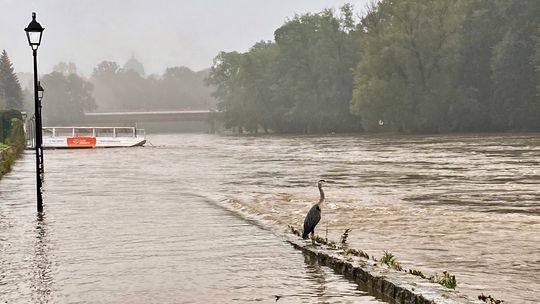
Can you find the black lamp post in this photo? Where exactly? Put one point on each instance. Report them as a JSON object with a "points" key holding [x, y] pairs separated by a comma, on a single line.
{"points": [[41, 91], [34, 32]]}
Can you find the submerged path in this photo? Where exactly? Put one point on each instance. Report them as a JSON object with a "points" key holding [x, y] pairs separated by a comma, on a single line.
{"points": [[120, 229]]}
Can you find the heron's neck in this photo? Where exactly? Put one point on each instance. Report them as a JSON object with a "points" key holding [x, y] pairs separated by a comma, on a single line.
{"points": [[322, 194]]}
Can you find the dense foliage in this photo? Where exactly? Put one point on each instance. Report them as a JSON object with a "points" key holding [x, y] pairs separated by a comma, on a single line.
{"points": [[405, 66], [302, 82], [8, 122], [440, 66], [12, 140], [11, 96]]}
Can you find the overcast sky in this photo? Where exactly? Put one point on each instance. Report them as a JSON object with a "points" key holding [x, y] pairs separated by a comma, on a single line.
{"points": [[160, 33]]}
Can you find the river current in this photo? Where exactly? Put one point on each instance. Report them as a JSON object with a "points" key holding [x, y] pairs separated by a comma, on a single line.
{"points": [[146, 225]]}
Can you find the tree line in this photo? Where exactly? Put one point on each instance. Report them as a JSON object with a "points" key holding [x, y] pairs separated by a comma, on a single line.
{"points": [[111, 87], [414, 66], [128, 89]]}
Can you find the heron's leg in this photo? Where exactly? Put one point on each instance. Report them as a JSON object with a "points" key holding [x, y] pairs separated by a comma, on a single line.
{"points": [[313, 237]]}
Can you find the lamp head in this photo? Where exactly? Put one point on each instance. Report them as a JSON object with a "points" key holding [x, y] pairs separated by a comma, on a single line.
{"points": [[40, 90], [34, 30]]}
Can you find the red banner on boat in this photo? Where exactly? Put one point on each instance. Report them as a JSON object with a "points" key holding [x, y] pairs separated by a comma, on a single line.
{"points": [[81, 142]]}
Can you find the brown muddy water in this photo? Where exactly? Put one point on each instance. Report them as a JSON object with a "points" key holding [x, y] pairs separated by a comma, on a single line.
{"points": [[145, 224]]}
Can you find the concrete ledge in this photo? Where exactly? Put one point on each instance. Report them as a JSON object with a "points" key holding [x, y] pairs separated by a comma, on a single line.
{"points": [[389, 284], [381, 281]]}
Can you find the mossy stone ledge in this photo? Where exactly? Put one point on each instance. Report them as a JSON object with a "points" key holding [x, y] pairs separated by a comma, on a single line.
{"points": [[391, 285]]}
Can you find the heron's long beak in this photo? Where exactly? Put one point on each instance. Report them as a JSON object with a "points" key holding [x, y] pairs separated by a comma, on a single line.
{"points": [[330, 181]]}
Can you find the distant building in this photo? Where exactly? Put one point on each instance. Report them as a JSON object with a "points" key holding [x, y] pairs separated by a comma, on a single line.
{"points": [[134, 65]]}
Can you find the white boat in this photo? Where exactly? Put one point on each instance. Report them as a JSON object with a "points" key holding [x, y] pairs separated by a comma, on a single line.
{"points": [[92, 137]]}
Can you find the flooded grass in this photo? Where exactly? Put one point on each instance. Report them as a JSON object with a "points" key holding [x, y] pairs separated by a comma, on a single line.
{"points": [[389, 260], [344, 237], [446, 279]]}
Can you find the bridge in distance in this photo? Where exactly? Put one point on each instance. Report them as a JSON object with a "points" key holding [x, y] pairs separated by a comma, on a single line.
{"points": [[151, 116]]}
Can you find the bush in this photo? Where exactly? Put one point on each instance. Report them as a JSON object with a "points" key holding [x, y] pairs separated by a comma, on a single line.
{"points": [[6, 123], [16, 137]]}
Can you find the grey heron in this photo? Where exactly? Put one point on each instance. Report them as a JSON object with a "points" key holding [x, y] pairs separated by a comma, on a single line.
{"points": [[314, 215]]}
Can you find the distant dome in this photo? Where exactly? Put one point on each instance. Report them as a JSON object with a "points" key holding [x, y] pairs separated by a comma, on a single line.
{"points": [[134, 65]]}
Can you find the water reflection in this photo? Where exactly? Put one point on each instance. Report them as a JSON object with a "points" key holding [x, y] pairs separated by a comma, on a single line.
{"points": [[42, 282], [325, 286], [316, 275]]}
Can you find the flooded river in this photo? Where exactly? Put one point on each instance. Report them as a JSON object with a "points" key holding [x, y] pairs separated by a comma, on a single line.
{"points": [[146, 225]]}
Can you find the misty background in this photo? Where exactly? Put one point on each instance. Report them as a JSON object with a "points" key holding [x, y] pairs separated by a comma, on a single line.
{"points": [[160, 33], [301, 67]]}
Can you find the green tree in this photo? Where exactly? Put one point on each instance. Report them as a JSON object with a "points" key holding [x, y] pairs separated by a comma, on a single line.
{"points": [[407, 75], [67, 98], [516, 103], [225, 75], [264, 104], [300, 83], [247, 89], [317, 53], [481, 31], [10, 88]]}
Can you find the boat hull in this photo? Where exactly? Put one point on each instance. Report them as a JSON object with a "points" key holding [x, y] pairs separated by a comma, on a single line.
{"points": [[91, 142]]}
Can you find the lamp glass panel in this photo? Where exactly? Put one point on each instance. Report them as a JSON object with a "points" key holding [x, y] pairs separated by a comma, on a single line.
{"points": [[34, 37]]}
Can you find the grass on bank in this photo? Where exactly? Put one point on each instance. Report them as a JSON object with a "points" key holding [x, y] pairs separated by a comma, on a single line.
{"points": [[446, 279]]}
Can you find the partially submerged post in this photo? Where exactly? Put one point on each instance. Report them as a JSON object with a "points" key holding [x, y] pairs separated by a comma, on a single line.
{"points": [[33, 33]]}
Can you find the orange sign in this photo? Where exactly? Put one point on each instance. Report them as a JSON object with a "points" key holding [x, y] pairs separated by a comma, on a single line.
{"points": [[81, 142]]}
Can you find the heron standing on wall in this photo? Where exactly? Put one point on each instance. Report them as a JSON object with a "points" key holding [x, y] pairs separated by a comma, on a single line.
{"points": [[314, 215]]}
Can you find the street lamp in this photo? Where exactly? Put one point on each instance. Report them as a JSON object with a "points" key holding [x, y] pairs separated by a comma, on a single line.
{"points": [[41, 91], [33, 33]]}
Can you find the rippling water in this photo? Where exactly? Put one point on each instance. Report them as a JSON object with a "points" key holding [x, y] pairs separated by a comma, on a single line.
{"points": [[143, 225], [466, 204]]}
